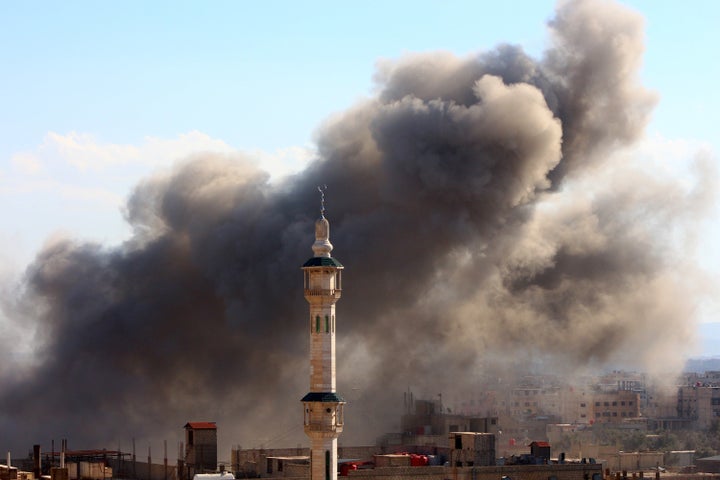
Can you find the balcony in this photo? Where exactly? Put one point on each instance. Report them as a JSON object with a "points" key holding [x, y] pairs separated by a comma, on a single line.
{"points": [[323, 292]]}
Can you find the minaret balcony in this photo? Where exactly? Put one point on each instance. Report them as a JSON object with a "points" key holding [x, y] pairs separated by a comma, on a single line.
{"points": [[328, 430], [323, 292]]}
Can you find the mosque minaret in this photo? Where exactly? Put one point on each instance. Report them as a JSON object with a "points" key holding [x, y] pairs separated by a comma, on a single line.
{"points": [[323, 417]]}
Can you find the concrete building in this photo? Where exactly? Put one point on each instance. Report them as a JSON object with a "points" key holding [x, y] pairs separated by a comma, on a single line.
{"points": [[426, 418], [200, 447], [470, 449], [323, 407], [616, 407], [576, 406], [700, 404]]}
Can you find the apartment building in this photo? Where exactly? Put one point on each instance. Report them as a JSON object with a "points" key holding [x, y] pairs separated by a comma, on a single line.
{"points": [[700, 404], [615, 407]]}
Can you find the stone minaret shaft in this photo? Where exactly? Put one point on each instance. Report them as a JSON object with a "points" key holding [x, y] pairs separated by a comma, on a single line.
{"points": [[323, 416]]}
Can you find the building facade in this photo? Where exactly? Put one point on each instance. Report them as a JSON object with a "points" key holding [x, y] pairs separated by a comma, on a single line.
{"points": [[699, 404], [615, 407]]}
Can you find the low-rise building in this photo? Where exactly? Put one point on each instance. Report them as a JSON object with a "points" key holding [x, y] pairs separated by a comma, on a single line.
{"points": [[200, 448]]}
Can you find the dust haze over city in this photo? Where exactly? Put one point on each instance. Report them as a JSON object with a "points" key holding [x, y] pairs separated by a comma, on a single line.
{"points": [[487, 211]]}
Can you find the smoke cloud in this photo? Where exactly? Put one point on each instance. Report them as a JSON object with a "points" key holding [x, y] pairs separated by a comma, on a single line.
{"points": [[484, 212]]}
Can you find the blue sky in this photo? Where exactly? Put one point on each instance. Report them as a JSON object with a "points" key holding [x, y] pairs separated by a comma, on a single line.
{"points": [[96, 95]]}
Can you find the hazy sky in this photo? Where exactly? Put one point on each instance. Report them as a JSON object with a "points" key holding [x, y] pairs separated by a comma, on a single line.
{"points": [[94, 96]]}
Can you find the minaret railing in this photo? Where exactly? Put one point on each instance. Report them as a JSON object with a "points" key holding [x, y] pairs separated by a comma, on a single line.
{"points": [[330, 292]]}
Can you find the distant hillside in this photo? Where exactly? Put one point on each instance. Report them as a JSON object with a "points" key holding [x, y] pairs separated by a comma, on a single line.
{"points": [[701, 365], [710, 341]]}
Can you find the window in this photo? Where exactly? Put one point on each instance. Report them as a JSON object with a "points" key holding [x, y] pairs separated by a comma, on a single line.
{"points": [[614, 404], [606, 404], [327, 324], [582, 405], [630, 403], [622, 403], [317, 323], [597, 404], [327, 464]]}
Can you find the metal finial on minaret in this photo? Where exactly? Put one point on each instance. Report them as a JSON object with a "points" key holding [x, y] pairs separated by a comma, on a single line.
{"points": [[321, 189], [322, 246]]}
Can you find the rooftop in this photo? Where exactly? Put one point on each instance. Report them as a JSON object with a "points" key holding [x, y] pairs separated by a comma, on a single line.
{"points": [[201, 425]]}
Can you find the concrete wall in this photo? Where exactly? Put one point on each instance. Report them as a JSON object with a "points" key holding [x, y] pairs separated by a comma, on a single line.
{"points": [[57, 473], [634, 461], [523, 472], [88, 471], [297, 470], [140, 470], [8, 473], [708, 466]]}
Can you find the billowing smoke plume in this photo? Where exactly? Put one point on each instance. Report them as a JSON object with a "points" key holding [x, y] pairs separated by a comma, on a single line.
{"points": [[484, 220]]}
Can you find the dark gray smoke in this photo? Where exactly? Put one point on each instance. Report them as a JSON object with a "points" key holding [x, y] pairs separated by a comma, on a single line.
{"points": [[486, 220]]}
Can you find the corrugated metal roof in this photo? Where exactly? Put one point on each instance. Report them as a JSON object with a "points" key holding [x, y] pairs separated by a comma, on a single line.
{"points": [[322, 262], [201, 425]]}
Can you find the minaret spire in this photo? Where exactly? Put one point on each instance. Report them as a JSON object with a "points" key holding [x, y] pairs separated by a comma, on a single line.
{"points": [[323, 407], [322, 246]]}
